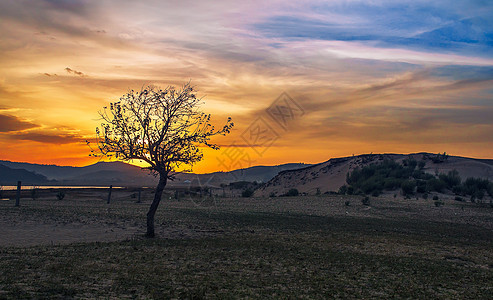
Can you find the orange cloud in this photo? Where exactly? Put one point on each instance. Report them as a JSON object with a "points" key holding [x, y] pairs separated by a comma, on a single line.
{"points": [[70, 71], [11, 123], [46, 137]]}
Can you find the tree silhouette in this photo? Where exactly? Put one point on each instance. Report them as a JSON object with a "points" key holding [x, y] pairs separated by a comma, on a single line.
{"points": [[163, 127]]}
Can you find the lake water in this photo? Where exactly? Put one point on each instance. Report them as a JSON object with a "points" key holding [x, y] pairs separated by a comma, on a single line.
{"points": [[30, 187]]}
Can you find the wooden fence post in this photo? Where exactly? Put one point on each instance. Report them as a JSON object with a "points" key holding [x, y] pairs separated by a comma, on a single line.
{"points": [[109, 194], [18, 195]]}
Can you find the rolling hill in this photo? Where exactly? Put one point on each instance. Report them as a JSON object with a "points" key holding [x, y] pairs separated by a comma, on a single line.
{"points": [[122, 174], [9, 176], [330, 175]]}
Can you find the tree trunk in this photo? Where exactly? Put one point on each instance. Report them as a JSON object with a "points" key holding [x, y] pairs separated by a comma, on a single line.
{"points": [[163, 178]]}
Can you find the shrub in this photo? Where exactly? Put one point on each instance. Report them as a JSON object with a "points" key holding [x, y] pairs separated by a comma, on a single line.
{"points": [[421, 186], [292, 193], [457, 198], [439, 203], [347, 203], [439, 158], [389, 175], [476, 187], [411, 163], [435, 197], [458, 190], [479, 194], [436, 185], [34, 193], [343, 190], [408, 187], [272, 194], [60, 195], [350, 190], [366, 201], [451, 179], [392, 183], [247, 193]]}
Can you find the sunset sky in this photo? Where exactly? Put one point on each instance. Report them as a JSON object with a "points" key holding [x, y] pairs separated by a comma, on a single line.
{"points": [[362, 76]]}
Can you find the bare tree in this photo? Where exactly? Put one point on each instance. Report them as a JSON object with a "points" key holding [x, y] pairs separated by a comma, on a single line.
{"points": [[163, 127]]}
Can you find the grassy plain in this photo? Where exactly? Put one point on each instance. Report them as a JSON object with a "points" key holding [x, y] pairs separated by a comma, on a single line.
{"points": [[286, 247]]}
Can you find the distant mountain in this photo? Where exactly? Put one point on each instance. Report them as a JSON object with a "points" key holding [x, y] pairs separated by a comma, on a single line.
{"points": [[62, 173], [330, 175], [10, 176], [259, 174], [119, 173]]}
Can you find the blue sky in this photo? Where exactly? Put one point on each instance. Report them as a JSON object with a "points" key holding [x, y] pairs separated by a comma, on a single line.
{"points": [[438, 26]]}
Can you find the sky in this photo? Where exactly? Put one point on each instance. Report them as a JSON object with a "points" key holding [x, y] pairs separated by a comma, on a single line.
{"points": [[304, 81]]}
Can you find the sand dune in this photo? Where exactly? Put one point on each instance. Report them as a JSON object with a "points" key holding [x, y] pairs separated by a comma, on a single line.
{"points": [[330, 175]]}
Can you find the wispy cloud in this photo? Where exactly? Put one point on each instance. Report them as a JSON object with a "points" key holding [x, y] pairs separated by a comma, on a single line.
{"points": [[46, 137], [75, 72], [12, 123], [412, 25]]}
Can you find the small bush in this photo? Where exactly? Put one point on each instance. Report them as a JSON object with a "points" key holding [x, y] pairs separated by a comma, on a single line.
{"points": [[247, 193], [451, 179], [272, 194], [435, 197], [60, 195], [421, 186], [479, 194], [439, 158], [34, 193], [347, 203], [343, 190], [366, 201], [439, 203], [350, 190], [476, 188], [292, 193], [457, 198], [411, 163], [408, 187], [436, 185], [458, 190]]}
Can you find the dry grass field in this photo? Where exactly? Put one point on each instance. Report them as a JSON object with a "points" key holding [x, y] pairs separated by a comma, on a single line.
{"points": [[285, 247]]}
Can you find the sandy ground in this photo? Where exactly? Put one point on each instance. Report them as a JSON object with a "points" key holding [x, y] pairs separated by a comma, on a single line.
{"points": [[331, 175], [29, 234], [84, 216]]}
